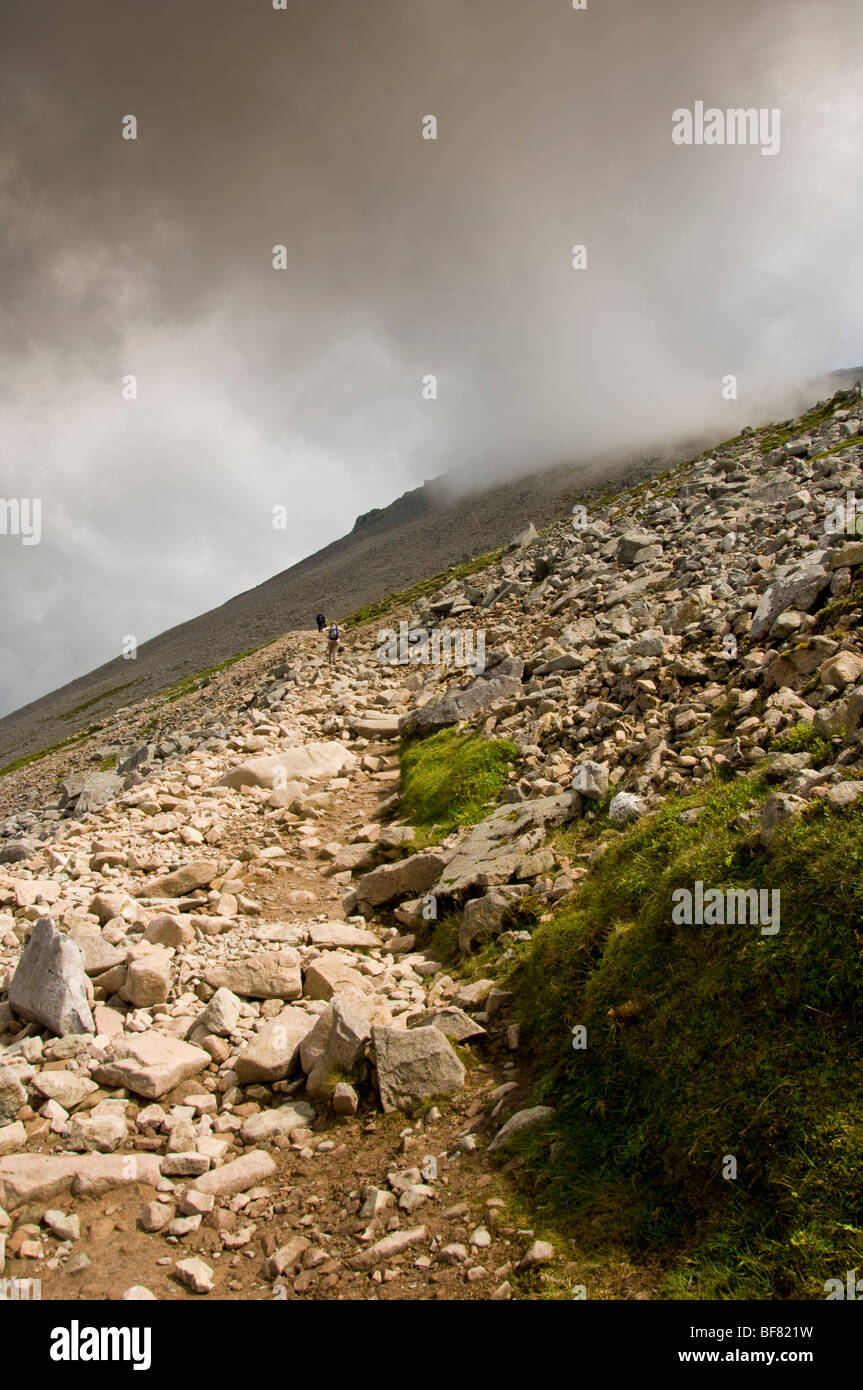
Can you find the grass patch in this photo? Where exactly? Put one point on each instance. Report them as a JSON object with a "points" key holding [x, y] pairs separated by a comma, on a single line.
{"points": [[190, 683], [777, 435], [803, 738], [453, 778], [837, 448], [703, 1042], [96, 700], [380, 608], [29, 758]]}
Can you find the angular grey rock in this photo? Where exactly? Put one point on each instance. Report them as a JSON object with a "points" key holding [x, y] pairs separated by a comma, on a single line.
{"points": [[482, 919], [238, 1176], [776, 810], [15, 851], [517, 1124], [268, 1124], [471, 699], [493, 850], [338, 1039], [330, 935], [453, 1022], [99, 788], [49, 985], [150, 1064], [634, 544], [590, 780], [626, 807], [414, 1064], [413, 875], [12, 1093], [221, 1015], [272, 1053], [800, 590]]}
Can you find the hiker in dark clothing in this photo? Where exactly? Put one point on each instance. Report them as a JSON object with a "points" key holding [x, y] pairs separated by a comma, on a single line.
{"points": [[321, 622]]}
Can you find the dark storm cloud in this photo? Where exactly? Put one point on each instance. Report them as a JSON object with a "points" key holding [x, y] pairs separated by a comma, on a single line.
{"points": [[405, 257]]}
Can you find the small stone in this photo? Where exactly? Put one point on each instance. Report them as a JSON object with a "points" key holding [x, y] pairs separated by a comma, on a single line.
{"points": [[62, 1226], [195, 1274], [541, 1252]]}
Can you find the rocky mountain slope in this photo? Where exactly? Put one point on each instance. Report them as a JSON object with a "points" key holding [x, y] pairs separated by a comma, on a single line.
{"points": [[260, 1035], [446, 522]]}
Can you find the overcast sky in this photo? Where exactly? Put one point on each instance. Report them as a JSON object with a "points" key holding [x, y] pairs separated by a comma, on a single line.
{"points": [[259, 387]]}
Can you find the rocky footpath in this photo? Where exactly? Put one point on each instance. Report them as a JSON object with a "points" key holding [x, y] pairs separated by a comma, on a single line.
{"points": [[225, 1033]]}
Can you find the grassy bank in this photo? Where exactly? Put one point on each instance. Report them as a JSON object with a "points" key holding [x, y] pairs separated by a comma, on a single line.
{"points": [[706, 1043], [452, 778]]}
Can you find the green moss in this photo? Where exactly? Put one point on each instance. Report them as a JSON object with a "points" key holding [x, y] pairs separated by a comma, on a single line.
{"points": [[453, 778], [707, 1041]]}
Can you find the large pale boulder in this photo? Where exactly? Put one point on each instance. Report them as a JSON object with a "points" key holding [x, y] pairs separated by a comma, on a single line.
{"points": [[330, 973], [414, 1064], [798, 589], [310, 761], [250, 1170], [272, 1053], [495, 849], [182, 881], [148, 977], [330, 935], [32, 1178], [413, 875], [499, 683], [150, 1064], [269, 1124], [337, 1041], [50, 985], [482, 919], [267, 975], [375, 726]]}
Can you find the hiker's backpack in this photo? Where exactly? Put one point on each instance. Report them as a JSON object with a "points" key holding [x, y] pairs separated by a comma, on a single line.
{"points": [[334, 633]]}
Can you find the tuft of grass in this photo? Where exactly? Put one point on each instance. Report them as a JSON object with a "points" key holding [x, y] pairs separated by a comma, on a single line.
{"points": [[200, 678], [453, 778], [777, 435], [707, 1043], [803, 738], [29, 758], [380, 608], [96, 700]]}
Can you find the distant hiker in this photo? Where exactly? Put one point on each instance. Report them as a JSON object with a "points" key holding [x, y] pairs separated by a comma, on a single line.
{"points": [[333, 636], [321, 622]]}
